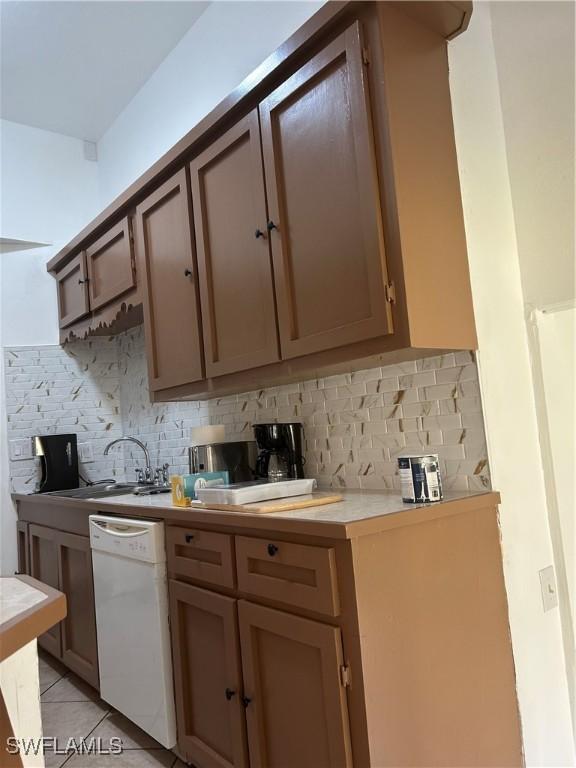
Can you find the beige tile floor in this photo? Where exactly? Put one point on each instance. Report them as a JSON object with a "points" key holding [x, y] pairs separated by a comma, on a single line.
{"points": [[72, 709]]}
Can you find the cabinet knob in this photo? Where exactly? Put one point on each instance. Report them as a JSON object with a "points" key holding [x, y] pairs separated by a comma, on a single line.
{"points": [[271, 226], [259, 233], [81, 282], [272, 549], [187, 273], [189, 537], [245, 700], [229, 693]]}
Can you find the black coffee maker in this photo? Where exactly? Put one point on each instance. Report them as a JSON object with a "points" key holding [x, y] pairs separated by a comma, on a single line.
{"points": [[59, 462], [280, 451]]}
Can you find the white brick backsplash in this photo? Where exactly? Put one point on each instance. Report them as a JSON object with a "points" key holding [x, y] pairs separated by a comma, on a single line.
{"points": [[460, 373], [435, 363], [441, 422], [382, 385], [426, 408], [355, 424], [424, 379], [462, 358]]}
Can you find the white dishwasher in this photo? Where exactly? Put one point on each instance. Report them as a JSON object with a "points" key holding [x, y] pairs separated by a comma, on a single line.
{"points": [[131, 595]]}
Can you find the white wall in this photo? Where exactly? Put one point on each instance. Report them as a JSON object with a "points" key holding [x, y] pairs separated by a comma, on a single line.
{"points": [[557, 342], [534, 47], [508, 393], [8, 558], [225, 45], [48, 193]]}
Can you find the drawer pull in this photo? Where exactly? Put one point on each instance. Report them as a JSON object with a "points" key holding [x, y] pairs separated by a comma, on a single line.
{"points": [[229, 693], [272, 549], [245, 700], [189, 537]]}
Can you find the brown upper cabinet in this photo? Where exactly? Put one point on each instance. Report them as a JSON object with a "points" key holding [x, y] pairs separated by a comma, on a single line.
{"points": [[72, 288], [110, 264], [234, 267], [170, 281], [98, 283], [311, 224], [325, 218]]}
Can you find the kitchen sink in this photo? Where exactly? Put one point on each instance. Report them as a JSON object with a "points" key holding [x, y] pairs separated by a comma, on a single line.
{"points": [[99, 491]]}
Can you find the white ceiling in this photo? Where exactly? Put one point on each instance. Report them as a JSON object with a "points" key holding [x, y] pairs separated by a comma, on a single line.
{"points": [[71, 67]]}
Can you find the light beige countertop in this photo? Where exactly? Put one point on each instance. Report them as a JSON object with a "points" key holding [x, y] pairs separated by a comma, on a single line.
{"points": [[16, 597], [27, 609], [355, 506], [359, 513]]}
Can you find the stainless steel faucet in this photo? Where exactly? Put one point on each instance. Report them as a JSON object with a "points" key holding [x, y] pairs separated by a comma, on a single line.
{"points": [[148, 477]]}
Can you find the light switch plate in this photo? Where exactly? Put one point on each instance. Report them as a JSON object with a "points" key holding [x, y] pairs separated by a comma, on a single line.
{"points": [[85, 452], [548, 587], [21, 449]]}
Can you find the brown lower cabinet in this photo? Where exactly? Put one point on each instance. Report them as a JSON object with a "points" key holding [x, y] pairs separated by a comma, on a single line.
{"points": [[64, 561], [305, 643], [389, 648], [289, 683], [22, 544], [209, 693], [296, 709]]}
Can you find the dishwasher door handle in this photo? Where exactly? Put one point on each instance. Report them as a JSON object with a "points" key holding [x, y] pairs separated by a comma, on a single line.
{"points": [[123, 531]]}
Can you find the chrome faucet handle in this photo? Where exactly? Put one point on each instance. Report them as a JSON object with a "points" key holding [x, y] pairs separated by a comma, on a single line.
{"points": [[165, 477], [157, 476], [148, 474], [139, 475]]}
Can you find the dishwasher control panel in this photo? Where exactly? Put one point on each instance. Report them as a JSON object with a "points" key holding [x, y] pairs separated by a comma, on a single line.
{"points": [[128, 537]]}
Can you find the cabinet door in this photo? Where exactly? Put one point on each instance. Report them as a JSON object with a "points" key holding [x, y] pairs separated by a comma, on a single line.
{"points": [[79, 649], [44, 567], [168, 271], [297, 714], [110, 262], [234, 266], [209, 710], [23, 547], [321, 181], [72, 288]]}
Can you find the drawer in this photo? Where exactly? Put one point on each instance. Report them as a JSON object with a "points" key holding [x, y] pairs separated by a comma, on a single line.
{"points": [[296, 574], [201, 555]]}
